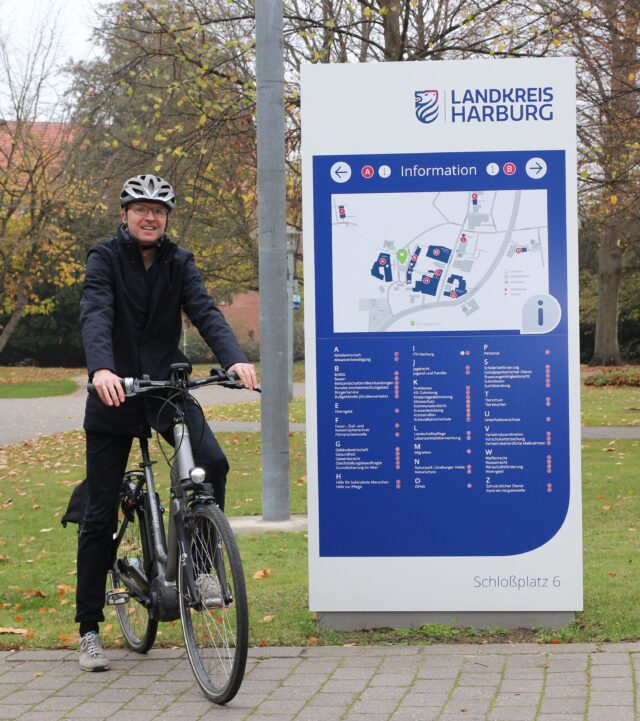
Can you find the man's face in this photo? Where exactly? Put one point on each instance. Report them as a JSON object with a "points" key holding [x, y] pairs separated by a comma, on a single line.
{"points": [[146, 221]]}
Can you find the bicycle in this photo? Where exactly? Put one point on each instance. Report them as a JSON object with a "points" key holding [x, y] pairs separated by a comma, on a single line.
{"points": [[195, 573]]}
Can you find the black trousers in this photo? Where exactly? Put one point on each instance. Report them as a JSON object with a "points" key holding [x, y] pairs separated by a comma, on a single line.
{"points": [[107, 456]]}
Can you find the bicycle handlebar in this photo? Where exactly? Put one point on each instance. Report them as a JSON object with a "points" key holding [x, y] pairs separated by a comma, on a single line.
{"points": [[217, 376]]}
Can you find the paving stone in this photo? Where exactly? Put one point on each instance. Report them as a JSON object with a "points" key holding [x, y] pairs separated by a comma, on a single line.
{"points": [[562, 706], [145, 701], [461, 717], [374, 706], [333, 713], [48, 682], [437, 685], [253, 717], [424, 699], [435, 673], [55, 703], [29, 697], [513, 713], [188, 708], [479, 679], [340, 686], [42, 715], [353, 672], [12, 711], [565, 717], [409, 713], [610, 698], [280, 706], [89, 710], [333, 699], [383, 692], [229, 714], [471, 706], [290, 692], [611, 671], [474, 692], [303, 679], [602, 713], [565, 692], [520, 685], [366, 717], [565, 679], [392, 679], [532, 673], [121, 695], [614, 659], [133, 716], [517, 699], [612, 684]]}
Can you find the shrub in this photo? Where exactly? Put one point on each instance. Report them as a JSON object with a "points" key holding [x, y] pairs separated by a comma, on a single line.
{"points": [[629, 376]]}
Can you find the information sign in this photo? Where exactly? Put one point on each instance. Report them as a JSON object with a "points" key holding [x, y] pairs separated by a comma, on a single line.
{"points": [[442, 337]]}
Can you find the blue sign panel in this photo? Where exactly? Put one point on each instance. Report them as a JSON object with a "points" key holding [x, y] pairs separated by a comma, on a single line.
{"points": [[441, 352]]}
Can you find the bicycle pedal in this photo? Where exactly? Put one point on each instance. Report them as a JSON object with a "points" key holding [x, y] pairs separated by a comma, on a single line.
{"points": [[117, 596]]}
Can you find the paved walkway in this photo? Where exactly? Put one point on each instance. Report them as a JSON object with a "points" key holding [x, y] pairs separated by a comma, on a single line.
{"points": [[22, 419], [501, 682]]}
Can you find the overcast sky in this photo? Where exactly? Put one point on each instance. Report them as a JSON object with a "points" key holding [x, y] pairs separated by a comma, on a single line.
{"points": [[20, 19]]}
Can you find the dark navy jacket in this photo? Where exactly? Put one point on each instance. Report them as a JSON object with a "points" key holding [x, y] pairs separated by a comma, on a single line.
{"points": [[131, 323]]}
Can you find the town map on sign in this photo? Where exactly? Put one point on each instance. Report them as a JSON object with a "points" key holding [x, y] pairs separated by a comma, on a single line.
{"points": [[474, 260]]}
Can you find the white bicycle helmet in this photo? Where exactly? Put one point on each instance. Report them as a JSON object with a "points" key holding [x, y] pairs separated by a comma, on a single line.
{"points": [[148, 188]]}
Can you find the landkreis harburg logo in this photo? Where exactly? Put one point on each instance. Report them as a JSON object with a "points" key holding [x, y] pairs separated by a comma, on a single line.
{"points": [[427, 105]]}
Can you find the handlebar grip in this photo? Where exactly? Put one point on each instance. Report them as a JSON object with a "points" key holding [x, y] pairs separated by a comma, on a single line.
{"points": [[127, 384]]}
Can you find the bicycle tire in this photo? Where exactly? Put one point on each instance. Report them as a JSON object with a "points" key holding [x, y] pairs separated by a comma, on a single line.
{"points": [[138, 627], [217, 638]]}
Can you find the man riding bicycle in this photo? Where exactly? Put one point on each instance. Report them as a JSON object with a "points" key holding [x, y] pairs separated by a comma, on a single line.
{"points": [[137, 285]]}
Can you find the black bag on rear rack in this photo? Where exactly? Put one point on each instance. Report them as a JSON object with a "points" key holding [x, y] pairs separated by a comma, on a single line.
{"points": [[77, 504]]}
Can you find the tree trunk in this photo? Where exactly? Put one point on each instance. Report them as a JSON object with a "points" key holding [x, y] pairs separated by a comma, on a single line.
{"points": [[7, 331], [607, 351], [391, 24]]}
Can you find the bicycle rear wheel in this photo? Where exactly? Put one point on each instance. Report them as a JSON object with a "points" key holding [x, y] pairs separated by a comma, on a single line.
{"points": [[217, 636], [131, 568]]}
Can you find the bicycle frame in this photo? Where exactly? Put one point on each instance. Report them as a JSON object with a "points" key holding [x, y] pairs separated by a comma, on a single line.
{"points": [[165, 553]]}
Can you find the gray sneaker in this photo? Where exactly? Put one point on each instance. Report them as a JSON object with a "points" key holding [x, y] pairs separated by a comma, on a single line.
{"points": [[92, 656], [210, 591]]}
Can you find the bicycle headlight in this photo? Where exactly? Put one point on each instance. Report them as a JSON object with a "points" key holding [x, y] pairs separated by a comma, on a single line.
{"points": [[197, 475]]}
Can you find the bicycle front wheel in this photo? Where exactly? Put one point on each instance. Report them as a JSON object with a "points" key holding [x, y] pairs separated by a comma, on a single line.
{"points": [[132, 561], [216, 624]]}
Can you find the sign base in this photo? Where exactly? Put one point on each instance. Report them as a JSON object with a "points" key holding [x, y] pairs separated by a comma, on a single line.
{"points": [[360, 621]]}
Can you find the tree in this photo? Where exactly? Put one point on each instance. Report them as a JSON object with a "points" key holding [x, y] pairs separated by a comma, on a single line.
{"points": [[605, 38], [40, 197], [174, 95]]}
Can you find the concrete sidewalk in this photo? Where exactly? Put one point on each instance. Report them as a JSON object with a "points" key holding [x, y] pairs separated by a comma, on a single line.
{"points": [[494, 682]]}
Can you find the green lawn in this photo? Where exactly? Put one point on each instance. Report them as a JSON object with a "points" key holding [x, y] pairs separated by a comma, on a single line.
{"points": [[37, 556], [610, 405]]}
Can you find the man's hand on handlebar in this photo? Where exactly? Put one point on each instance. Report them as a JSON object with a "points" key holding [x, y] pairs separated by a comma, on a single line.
{"points": [[108, 387], [246, 372]]}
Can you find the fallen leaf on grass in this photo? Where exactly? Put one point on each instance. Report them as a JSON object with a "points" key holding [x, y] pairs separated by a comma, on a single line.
{"points": [[46, 530], [263, 573], [612, 574], [15, 631], [33, 593], [312, 641], [263, 642], [68, 639], [268, 619], [606, 507], [4, 558]]}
